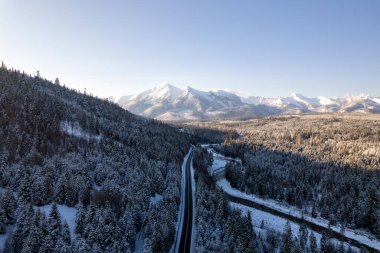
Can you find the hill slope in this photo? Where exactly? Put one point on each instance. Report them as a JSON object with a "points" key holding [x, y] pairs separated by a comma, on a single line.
{"points": [[76, 150]]}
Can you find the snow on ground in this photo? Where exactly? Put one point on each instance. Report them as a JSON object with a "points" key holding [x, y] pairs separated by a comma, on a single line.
{"points": [[353, 234], [219, 161], [74, 129], [139, 242], [270, 221], [358, 235], [4, 237], [156, 198], [97, 187], [67, 213], [276, 223]]}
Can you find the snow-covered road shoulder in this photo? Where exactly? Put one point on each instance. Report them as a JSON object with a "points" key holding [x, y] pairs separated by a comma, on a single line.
{"points": [[360, 236]]}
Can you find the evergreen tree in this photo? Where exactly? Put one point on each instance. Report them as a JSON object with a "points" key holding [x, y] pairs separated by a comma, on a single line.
{"points": [[65, 235], [326, 245], [2, 221], [287, 239], [313, 243], [8, 203], [54, 226], [303, 236], [80, 220]]}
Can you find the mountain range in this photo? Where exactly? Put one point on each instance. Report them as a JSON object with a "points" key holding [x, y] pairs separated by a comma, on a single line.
{"points": [[168, 102]]}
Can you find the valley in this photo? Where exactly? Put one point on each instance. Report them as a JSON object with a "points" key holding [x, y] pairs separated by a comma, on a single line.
{"points": [[81, 174]]}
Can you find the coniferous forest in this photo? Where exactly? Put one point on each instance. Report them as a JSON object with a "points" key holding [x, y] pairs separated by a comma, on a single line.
{"points": [[61, 147], [66, 151], [328, 166]]}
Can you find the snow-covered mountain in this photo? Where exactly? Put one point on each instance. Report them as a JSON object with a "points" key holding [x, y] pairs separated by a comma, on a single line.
{"points": [[168, 102]]}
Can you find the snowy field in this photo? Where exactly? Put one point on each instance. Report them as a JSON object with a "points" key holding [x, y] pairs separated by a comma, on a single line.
{"points": [[4, 237], [220, 161], [67, 213]]}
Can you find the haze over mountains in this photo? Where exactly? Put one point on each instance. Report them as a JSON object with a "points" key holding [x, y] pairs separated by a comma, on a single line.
{"points": [[168, 102]]}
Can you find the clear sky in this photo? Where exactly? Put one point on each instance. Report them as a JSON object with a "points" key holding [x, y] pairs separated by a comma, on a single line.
{"points": [[267, 48]]}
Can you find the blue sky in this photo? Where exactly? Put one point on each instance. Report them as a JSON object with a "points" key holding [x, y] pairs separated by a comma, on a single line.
{"points": [[267, 48]]}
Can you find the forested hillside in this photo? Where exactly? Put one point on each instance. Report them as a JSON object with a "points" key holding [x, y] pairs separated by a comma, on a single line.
{"points": [[329, 166], [61, 147], [222, 227]]}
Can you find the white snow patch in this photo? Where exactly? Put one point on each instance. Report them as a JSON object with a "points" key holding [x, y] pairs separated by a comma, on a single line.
{"points": [[139, 242], [219, 161], [277, 224], [357, 235], [97, 187], [155, 199], [67, 213], [270, 221], [74, 129], [4, 237]]}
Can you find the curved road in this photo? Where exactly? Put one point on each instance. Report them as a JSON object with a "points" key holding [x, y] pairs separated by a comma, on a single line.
{"points": [[187, 226]]}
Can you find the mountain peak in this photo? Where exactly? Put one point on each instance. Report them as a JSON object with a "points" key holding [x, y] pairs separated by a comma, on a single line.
{"points": [[169, 102], [165, 91]]}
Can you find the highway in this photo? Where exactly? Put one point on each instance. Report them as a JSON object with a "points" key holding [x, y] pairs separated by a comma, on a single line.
{"points": [[187, 226]]}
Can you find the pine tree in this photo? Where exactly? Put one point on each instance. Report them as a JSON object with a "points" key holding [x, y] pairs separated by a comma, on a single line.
{"points": [[2, 221], [341, 248], [56, 81], [66, 237], [326, 245], [372, 206], [287, 239], [8, 203], [303, 236], [23, 226], [313, 243], [25, 187], [80, 220], [54, 224], [60, 192]]}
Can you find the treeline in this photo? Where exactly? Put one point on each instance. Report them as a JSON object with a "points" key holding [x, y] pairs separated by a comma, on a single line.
{"points": [[63, 147]]}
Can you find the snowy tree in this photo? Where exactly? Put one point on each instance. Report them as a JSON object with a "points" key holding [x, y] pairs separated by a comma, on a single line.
{"points": [[313, 243], [80, 220], [303, 236], [54, 227], [3, 221], [65, 234], [287, 239]]}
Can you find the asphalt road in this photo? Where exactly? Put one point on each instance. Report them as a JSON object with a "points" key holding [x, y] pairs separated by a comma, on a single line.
{"points": [[185, 242]]}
